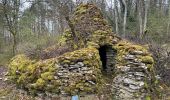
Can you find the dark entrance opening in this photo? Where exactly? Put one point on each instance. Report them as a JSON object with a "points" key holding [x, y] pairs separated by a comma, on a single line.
{"points": [[102, 52], [107, 57]]}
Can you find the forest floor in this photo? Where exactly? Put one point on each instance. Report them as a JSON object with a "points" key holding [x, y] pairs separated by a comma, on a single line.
{"points": [[8, 91]]}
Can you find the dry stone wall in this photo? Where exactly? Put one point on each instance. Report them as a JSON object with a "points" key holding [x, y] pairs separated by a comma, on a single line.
{"points": [[80, 71], [135, 73], [77, 72]]}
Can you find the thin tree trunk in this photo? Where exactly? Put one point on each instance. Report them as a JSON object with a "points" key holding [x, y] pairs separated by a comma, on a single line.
{"points": [[14, 44], [146, 15], [125, 17], [116, 16], [12, 24], [72, 29], [168, 19], [140, 19]]}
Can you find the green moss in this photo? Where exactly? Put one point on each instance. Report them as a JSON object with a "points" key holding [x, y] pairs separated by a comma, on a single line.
{"points": [[100, 32], [47, 76], [30, 74], [66, 61], [92, 44], [56, 83], [86, 62], [147, 59], [17, 66], [40, 83], [81, 11], [148, 98], [146, 85], [124, 47], [89, 89], [22, 79], [150, 67], [96, 19]]}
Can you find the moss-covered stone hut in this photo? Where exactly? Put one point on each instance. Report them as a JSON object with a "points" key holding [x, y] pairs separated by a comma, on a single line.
{"points": [[97, 51]]}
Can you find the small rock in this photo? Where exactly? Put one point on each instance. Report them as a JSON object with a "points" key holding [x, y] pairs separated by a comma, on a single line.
{"points": [[144, 67], [81, 64], [17, 72], [134, 63], [92, 82], [74, 66], [137, 52], [60, 74], [63, 93], [65, 65], [157, 77], [125, 68], [62, 71], [55, 77], [88, 72], [134, 87], [64, 76], [129, 57], [84, 69], [40, 94], [139, 74], [141, 84], [129, 81]]}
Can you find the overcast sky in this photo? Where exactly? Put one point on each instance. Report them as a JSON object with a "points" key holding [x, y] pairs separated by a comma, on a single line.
{"points": [[26, 4]]}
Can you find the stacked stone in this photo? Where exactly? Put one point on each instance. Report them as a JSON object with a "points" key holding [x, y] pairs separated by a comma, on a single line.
{"points": [[110, 60], [132, 81], [69, 73], [79, 75]]}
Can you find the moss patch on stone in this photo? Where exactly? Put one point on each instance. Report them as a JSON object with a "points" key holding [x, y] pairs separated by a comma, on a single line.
{"points": [[43, 75], [147, 59], [124, 47]]}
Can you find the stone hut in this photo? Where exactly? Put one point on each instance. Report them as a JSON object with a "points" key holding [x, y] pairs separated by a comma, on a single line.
{"points": [[98, 51]]}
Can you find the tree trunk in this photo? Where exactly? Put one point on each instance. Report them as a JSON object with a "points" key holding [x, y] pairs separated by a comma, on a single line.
{"points": [[116, 16], [146, 15], [124, 17], [168, 19], [140, 18], [72, 29], [14, 44]]}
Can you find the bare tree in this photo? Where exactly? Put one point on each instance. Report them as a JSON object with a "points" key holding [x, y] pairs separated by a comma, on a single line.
{"points": [[124, 17], [140, 9], [64, 10], [11, 13], [168, 19], [116, 16], [146, 15]]}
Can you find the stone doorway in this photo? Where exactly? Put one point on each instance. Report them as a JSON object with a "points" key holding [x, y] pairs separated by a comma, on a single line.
{"points": [[107, 57]]}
